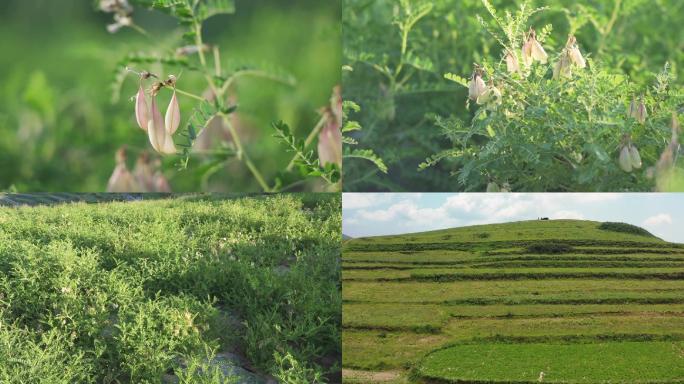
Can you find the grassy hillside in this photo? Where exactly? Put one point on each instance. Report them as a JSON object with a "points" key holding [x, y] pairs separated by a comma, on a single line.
{"points": [[189, 290], [579, 301]]}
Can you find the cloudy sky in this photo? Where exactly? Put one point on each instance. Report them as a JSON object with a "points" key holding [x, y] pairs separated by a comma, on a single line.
{"points": [[370, 214]]}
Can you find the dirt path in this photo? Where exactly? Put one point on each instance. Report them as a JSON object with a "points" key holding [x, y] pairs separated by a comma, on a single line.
{"points": [[357, 376]]}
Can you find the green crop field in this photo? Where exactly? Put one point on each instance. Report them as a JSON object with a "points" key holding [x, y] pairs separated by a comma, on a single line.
{"points": [[561, 301], [174, 289]]}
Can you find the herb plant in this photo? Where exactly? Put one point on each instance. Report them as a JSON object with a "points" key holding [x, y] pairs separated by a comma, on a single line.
{"points": [[186, 133]]}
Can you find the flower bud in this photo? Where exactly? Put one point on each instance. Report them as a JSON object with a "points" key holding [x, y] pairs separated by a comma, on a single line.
{"points": [[141, 111], [172, 120], [625, 159], [477, 86]]}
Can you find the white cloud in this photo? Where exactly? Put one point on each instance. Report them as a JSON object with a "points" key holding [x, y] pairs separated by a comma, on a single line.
{"points": [[572, 215], [364, 200], [659, 219]]}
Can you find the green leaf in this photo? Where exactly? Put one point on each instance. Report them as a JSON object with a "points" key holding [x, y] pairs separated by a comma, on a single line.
{"points": [[367, 154]]}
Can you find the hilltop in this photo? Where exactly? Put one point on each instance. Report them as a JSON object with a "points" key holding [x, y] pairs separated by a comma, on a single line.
{"points": [[502, 302]]}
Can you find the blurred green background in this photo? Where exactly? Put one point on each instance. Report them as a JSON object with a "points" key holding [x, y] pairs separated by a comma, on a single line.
{"points": [[59, 129]]}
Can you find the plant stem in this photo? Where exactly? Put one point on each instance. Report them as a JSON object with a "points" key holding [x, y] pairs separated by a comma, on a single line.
{"points": [[190, 95], [314, 132], [203, 60], [242, 155]]}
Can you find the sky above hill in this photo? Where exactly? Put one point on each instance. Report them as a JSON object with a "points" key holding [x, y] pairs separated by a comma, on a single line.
{"points": [[374, 214]]}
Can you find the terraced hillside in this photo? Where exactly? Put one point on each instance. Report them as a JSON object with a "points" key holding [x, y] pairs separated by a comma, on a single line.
{"points": [[536, 301]]}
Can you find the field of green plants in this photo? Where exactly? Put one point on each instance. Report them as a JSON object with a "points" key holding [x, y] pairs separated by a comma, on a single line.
{"points": [[525, 95], [535, 301], [182, 289]]}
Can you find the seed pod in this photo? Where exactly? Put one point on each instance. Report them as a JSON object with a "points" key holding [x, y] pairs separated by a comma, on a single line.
{"points": [[492, 93], [493, 187], [532, 50], [574, 53], [155, 128], [477, 86], [632, 112], [634, 157], [141, 111], [641, 112], [538, 52], [172, 120], [562, 67], [625, 159], [512, 63]]}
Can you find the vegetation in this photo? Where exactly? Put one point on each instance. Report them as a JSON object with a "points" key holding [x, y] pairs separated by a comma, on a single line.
{"points": [[450, 305], [241, 100], [191, 289], [624, 227], [493, 95]]}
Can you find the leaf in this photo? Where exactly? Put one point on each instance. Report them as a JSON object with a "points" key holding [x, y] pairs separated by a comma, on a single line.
{"points": [[456, 78], [209, 8], [366, 154]]}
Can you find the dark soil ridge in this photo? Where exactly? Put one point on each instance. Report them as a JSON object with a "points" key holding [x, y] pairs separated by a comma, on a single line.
{"points": [[433, 329], [413, 247], [523, 264], [526, 276], [503, 301]]}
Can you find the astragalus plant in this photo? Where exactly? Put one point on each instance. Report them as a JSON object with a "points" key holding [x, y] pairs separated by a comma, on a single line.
{"points": [[212, 129], [549, 118]]}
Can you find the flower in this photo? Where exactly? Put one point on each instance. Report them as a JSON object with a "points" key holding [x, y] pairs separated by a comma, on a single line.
{"points": [[574, 52], [532, 50], [172, 119], [141, 110], [512, 64], [160, 139], [477, 86], [122, 11], [121, 180], [638, 111], [625, 159], [563, 66]]}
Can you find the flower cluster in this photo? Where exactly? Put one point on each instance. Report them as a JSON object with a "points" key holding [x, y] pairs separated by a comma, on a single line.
{"points": [[629, 155], [159, 130], [146, 176], [122, 11]]}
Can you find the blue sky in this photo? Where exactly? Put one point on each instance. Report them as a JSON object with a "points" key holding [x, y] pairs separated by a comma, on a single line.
{"points": [[371, 214]]}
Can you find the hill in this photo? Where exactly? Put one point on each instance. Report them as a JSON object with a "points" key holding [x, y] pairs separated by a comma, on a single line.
{"points": [[573, 297]]}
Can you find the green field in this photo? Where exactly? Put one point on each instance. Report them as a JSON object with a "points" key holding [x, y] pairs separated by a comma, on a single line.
{"points": [[180, 289], [579, 301]]}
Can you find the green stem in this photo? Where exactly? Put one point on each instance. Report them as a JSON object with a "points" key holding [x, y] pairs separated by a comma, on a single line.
{"points": [[309, 139], [190, 95], [242, 155], [203, 60]]}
